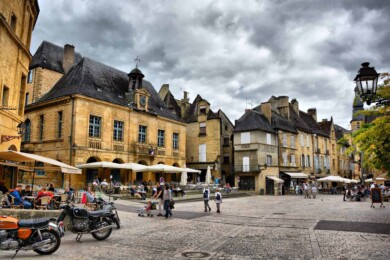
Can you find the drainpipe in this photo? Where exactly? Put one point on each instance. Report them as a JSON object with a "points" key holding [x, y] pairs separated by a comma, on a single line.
{"points": [[71, 137]]}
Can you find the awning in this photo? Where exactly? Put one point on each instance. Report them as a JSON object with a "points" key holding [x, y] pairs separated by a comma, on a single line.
{"points": [[201, 166], [276, 179], [297, 175], [27, 157]]}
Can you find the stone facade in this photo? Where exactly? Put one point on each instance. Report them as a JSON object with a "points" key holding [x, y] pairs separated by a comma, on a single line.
{"points": [[209, 136], [17, 20], [80, 127]]}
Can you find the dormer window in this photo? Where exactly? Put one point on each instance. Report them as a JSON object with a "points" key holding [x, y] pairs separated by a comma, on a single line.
{"points": [[202, 110]]}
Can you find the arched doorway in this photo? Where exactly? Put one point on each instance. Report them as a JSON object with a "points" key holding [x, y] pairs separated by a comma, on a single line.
{"points": [[139, 176], [91, 173], [116, 173]]}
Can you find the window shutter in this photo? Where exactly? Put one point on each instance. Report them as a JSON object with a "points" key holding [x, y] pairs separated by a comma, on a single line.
{"points": [[245, 164]]}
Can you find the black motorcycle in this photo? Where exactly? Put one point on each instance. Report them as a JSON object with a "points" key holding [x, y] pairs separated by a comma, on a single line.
{"points": [[81, 222], [109, 206]]}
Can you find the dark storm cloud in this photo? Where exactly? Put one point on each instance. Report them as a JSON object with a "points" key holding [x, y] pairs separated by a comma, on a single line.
{"points": [[232, 52]]}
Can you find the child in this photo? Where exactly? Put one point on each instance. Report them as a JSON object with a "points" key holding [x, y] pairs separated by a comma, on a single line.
{"points": [[218, 200]]}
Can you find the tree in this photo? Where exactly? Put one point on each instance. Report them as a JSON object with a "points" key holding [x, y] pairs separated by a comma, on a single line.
{"points": [[373, 139]]}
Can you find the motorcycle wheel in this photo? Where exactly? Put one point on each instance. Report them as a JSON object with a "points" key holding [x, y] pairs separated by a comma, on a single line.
{"points": [[116, 221], [102, 235], [52, 247]]}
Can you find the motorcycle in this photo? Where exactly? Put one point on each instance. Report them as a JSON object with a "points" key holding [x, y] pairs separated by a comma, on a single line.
{"points": [[109, 206], [81, 222], [40, 235]]}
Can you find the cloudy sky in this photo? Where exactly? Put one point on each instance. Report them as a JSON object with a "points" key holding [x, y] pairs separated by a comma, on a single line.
{"points": [[233, 53]]}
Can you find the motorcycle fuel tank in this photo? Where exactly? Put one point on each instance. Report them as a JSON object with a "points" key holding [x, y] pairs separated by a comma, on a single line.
{"points": [[7, 222]]}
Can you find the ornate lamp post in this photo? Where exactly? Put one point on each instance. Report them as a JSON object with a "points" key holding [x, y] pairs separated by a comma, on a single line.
{"points": [[367, 83], [21, 128]]}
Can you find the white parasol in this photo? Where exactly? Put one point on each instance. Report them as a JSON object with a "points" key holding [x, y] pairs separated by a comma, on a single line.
{"points": [[208, 175]]}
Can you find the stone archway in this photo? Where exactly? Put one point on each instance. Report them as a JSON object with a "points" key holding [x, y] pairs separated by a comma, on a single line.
{"points": [[13, 148], [92, 173], [175, 177], [117, 175]]}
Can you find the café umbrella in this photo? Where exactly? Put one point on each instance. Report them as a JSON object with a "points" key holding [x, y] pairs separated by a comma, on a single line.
{"points": [[208, 175], [21, 157]]}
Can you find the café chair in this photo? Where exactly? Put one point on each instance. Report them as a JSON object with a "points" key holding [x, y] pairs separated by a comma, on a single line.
{"points": [[44, 203]]}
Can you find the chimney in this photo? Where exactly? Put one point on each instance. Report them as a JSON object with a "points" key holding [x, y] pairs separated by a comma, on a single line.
{"points": [[295, 106], [68, 59], [185, 98], [266, 110], [283, 106], [313, 113]]}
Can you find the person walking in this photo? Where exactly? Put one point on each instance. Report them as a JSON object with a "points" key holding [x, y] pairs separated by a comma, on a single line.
{"points": [[206, 198], [159, 195], [218, 200], [167, 197], [314, 190], [306, 190]]}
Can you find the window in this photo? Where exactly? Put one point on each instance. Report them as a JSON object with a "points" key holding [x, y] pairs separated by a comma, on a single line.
{"points": [[41, 126], [303, 160], [302, 141], [202, 128], [226, 141], [26, 100], [307, 140], [175, 139], [59, 125], [39, 172], [269, 160], [13, 22], [284, 140], [316, 166], [245, 164], [284, 156], [160, 138], [245, 138], [269, 140], [226, 159], [325, 145], [30, 76], [316, 142], [226, 127], [27, 131], [202, 109], [118, 130], [307, 160], [292, 157], [4, 97], [292, 141], [23, 80], [357, 125], [202, 153], [94, 126], [142, 134]]}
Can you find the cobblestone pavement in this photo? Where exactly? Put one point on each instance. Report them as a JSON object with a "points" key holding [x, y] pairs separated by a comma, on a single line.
{"points": [[256, 227]]}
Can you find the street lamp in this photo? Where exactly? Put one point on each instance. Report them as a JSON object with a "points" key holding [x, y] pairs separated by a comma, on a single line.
{"points": [[21, 129], [367, 83]]}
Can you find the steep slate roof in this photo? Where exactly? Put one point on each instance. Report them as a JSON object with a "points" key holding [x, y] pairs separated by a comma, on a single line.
{"points": [[171, 103], [253, 120], [192, 115], [309, 120], [50, 56], [282, 123], [325, 126], [299, 123], [340, 131], [88, 76]]}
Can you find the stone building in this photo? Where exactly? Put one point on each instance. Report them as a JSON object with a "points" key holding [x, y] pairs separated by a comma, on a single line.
{"points": [[209, 136], [97, 113], [17, 20], [304, 150], [344, 140], [255, 144]]}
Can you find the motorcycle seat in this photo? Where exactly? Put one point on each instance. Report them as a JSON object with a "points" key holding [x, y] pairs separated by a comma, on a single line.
{"points": [[99, 213], [34, 223]]}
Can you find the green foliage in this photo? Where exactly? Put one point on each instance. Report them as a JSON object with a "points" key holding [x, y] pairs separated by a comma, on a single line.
{"points": [[374, 141], [343, 142]]}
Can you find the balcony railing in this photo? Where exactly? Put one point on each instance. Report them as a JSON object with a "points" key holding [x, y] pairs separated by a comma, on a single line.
{"points": [[95, 145]]}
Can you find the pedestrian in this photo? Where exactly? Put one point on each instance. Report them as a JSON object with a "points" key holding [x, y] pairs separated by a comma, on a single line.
{"points": [[167, 197], [218, 200], [309, 191], [314, 190], [159, 195], [344, 190], [206, 198], [306, 190]]}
